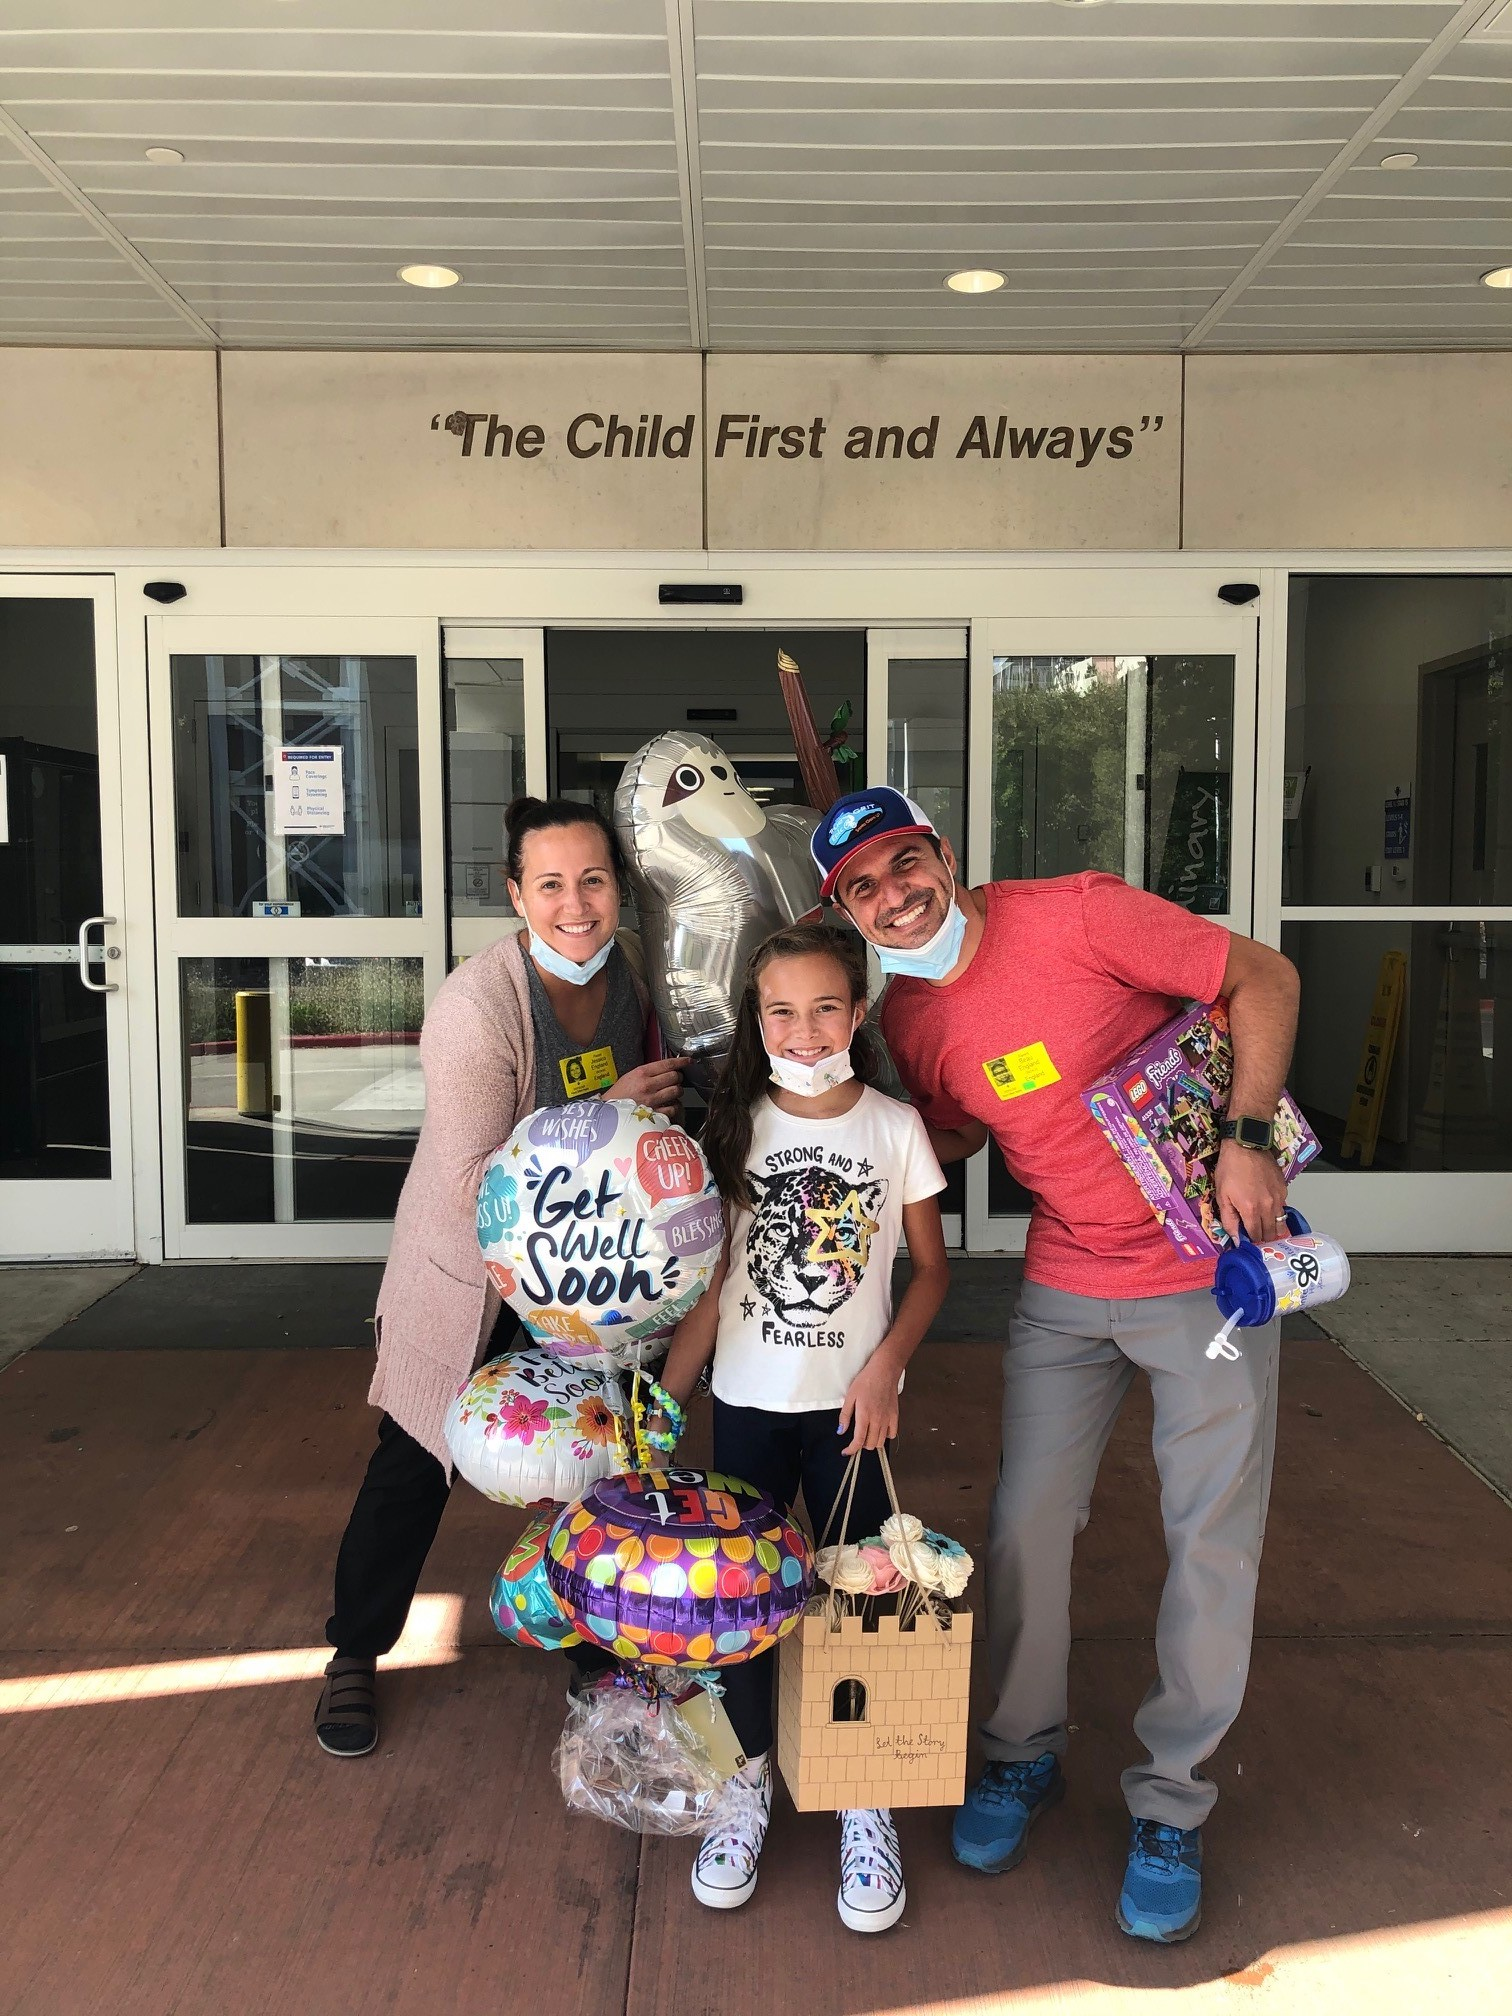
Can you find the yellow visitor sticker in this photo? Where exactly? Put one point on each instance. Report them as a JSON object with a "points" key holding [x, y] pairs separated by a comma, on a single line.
{"points": [[1021, 1071], [588, 1071]]}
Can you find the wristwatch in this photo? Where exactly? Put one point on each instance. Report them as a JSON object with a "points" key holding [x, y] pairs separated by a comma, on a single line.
{"points": [[1248, 1133]]}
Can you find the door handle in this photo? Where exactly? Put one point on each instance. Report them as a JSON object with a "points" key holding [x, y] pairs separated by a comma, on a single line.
{"points": [[94, 986]]}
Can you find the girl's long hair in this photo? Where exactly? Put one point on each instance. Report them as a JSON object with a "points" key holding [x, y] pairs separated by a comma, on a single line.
{"points": [[746, 1074]]}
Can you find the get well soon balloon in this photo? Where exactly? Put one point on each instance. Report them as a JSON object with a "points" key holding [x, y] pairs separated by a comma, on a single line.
{"points": [[713, 873], [679, 1568], [601, 1226], [528, 1430]]}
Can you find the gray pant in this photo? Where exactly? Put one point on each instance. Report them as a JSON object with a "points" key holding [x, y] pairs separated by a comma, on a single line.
{"points": [[1070, 1361]]}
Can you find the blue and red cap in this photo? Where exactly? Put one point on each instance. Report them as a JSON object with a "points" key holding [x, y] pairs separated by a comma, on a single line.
{"points": [[855, 821]]}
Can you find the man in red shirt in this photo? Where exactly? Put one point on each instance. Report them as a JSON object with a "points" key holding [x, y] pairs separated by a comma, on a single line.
{"points": [[1005, 1002]]}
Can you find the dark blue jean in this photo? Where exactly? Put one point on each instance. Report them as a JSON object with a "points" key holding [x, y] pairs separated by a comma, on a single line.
{"points": [[778, 1453]]}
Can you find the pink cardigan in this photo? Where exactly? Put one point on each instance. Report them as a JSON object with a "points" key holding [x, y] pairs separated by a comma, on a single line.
{"points": [[436, 1306]]}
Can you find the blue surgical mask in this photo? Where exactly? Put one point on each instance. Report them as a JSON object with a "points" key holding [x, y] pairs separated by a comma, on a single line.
{"points": [[553, 962], [932, 960]]}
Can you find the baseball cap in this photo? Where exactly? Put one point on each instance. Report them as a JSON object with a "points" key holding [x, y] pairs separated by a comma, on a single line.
{"points": [[855, 821]]}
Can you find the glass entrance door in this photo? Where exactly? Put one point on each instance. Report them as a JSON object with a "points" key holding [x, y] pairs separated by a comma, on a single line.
{"points": [[300, 875], [1126, 746], [65, 1158]]}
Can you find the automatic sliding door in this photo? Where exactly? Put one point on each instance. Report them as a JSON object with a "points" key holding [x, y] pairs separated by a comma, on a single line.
{"points": [[301, 915], [1121, 746]]}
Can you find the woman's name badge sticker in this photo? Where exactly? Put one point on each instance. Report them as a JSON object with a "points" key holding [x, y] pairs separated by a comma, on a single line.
{"points": [[588, 1071]]}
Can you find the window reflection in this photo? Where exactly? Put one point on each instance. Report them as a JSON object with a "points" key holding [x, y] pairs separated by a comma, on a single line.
{"points": [[302, 1087], [232, 715], [1438, 1092], [1120, 764], [485, 769], [1397, 741]]}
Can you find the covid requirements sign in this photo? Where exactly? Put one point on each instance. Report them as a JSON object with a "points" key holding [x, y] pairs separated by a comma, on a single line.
{"points": [[307, 794]]}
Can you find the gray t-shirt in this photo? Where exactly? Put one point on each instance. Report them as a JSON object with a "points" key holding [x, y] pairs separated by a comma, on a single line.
{"points": [[567, 1070]]}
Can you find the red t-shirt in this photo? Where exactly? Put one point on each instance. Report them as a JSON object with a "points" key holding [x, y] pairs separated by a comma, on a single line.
{"points": [[1069, 977]]}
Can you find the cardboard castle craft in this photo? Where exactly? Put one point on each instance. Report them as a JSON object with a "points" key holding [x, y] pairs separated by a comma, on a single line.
{"points": [[1159, 1113]]}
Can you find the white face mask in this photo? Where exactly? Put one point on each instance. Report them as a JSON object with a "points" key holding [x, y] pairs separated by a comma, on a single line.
{"points": [[809, 1081], [934, 958], [552, 961]]}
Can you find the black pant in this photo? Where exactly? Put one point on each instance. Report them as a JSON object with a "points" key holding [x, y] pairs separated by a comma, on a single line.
{"points": [[392, 1525], [777, 1453]]}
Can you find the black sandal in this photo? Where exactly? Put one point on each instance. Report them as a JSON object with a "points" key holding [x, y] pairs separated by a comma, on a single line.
{"points": [[346, 1717]]}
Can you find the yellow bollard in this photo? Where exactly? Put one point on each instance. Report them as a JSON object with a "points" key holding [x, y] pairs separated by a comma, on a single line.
{"points": [[254, 1054]]}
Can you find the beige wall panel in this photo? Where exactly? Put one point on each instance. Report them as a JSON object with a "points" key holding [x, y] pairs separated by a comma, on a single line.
{"points": [[108, 448], [1348, 452], [1086, 489], [354, 450]]}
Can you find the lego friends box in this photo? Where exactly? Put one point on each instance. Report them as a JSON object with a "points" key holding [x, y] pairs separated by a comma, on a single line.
{"points": [[1160, 1111]]}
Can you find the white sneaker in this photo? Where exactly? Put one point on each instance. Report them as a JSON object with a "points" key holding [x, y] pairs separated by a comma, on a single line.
{"points": [[724, 1874], [872, 1894]]}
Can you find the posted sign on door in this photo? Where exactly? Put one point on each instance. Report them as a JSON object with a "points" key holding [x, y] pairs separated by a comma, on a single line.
{"points": [[307, 794]]}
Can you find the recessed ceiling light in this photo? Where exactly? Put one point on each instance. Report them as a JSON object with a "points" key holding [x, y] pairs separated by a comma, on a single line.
{"points": [[429, 276], [1403, 160], [978, 280], [1079, 3], [165, 157], [1499, 276]]}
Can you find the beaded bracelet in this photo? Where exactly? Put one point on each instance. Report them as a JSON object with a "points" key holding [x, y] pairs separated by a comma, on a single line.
{"points": [[665, 1440]]}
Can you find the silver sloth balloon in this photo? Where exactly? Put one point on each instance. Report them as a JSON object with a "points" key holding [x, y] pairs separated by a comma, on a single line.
{"points": [[713, 873]]}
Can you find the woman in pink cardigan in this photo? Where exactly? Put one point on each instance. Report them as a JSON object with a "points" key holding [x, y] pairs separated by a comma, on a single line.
{"points": [[522, 1025]]}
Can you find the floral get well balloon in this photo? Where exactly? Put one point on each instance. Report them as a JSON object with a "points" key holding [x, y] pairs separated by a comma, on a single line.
{"points": [[521, 1601], [600, 1225], [679, 1568], [528, 1430]]}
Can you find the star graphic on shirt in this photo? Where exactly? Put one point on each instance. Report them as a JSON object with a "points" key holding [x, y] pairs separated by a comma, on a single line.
{"points": [[864, 1168], [848, 1231], [747, 1307]]}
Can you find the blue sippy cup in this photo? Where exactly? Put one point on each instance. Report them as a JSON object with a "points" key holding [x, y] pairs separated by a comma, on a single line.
{"points": [[1256, 1283]]}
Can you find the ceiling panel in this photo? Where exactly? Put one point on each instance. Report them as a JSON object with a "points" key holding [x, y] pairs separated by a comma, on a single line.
{"points": [[756, 174]]}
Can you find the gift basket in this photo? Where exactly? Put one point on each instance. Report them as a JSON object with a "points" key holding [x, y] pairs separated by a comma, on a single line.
{"points": [[875, 1680]]}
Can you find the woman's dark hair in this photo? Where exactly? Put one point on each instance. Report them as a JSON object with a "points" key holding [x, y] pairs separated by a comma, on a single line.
{"points": [[745, 1072], [538, 815]]}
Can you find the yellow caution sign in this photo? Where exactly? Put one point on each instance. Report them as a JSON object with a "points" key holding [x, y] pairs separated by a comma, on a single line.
{"points": [[1364, 1123]]}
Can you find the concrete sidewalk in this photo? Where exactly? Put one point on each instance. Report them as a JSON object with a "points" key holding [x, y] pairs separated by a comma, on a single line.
{"points": [[173, 1839]]}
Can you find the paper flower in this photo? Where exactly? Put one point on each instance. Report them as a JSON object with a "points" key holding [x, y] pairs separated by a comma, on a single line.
{"points": [[884, 1573], [916, 1562], [901, 1526], [844, 1570], [955, 1573]]}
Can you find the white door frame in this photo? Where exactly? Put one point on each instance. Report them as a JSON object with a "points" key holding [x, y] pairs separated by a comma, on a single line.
{"points": [[179, 938], [1150, 635], [85, 1219]]}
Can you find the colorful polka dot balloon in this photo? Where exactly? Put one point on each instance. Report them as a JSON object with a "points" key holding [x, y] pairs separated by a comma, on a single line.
{"points": [[521, 1601], [679, 1568]]}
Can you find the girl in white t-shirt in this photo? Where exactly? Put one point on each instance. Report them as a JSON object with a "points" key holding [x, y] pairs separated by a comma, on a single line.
{"points": [[820, 1173]]}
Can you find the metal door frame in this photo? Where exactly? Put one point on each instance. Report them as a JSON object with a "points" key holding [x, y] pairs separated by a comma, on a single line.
{"points": [[34, 1213]]}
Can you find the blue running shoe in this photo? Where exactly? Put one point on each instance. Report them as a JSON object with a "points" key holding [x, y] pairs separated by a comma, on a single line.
{"points": [[991, 1830], [1162, 1892]]}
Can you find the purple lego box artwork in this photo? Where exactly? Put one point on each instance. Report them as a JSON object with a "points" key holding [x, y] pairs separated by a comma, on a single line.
{"points": [[1159, 1112]]}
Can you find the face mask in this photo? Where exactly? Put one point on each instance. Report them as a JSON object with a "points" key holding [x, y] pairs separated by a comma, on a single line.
{"points": [[548, 957], [810, 1080], [934, 959]]}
